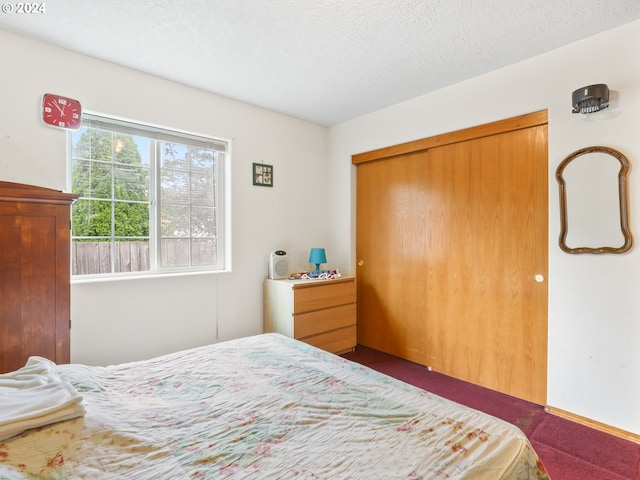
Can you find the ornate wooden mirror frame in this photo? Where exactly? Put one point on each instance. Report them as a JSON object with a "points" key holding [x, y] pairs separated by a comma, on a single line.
{"points": [[622, 202]]}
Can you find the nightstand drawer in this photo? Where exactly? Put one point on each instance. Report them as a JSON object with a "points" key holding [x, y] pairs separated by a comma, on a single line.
{"points": [[308, 298], [336, 341], [313, 323]]}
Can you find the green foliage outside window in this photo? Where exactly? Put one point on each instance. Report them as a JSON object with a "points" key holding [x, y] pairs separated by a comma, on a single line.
{"points": [[110, 176]]}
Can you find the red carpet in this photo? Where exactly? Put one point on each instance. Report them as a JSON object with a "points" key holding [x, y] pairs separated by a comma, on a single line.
{"points": [[569, 451]]}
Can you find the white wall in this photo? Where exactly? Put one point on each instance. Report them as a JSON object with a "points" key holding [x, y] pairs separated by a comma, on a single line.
{"points": [[125, 320], [594, 300]]}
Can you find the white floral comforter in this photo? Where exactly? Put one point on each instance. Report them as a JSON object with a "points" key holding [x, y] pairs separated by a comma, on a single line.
{"points": [[264, 407]]}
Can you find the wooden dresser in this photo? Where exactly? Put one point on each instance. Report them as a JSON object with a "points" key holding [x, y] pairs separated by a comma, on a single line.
{"points": [[321, 313], [34, 274]]}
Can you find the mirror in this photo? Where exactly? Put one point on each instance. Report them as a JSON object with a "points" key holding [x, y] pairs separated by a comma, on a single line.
{"points": [[593, 202]]}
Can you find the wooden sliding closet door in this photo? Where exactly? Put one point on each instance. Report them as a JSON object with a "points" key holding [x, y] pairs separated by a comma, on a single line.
{"points": [[392, 227], [449, 242]]}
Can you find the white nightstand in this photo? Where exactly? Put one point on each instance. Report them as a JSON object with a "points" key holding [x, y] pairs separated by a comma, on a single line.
{"points": [[321, 313]]}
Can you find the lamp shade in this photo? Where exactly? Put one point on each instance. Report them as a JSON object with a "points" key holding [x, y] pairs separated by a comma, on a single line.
{"points": [[317, 256]]}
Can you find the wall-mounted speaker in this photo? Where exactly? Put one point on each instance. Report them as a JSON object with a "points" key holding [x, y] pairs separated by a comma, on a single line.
{"points": [[278, 264]]}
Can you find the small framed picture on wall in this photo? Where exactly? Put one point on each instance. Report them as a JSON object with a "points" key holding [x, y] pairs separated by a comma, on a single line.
{"points": [[263, 175]]}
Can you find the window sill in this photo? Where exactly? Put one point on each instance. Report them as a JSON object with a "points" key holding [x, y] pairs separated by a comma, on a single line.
{"points": [[141, 276]]}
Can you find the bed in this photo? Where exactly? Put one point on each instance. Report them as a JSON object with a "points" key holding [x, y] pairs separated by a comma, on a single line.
{"points": [[263, 407]]}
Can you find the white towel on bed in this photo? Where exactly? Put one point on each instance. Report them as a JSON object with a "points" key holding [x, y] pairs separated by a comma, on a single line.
{"points": [[35, 395]]}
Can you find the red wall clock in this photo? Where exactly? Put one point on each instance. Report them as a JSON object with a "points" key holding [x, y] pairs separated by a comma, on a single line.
{"points": [[61, 112]]}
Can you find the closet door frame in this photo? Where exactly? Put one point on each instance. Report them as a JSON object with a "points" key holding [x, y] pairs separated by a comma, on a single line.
{"points": [[412, 335]]}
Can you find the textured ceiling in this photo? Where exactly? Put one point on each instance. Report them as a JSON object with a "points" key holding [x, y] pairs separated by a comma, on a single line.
{"points": [[325, 61]]}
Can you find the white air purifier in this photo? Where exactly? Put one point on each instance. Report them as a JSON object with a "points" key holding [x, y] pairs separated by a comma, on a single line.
{"points": [[278, 264]]}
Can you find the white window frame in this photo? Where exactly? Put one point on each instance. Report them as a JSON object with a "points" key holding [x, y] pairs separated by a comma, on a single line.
{"points": [[163, 134]]}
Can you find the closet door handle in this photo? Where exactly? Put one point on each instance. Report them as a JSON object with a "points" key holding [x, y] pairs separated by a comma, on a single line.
{"points": [[538, 277], [360, 262]]}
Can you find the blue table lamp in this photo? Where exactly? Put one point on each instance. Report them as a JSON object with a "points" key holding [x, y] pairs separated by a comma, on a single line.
{"points": [[317, 256]]}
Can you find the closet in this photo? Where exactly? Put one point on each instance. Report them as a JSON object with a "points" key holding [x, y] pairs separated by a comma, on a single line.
{"points": [[34, 274], [452, 246]]}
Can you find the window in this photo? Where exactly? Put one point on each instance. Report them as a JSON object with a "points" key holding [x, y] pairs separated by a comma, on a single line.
{"points": [[151, 200]]}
